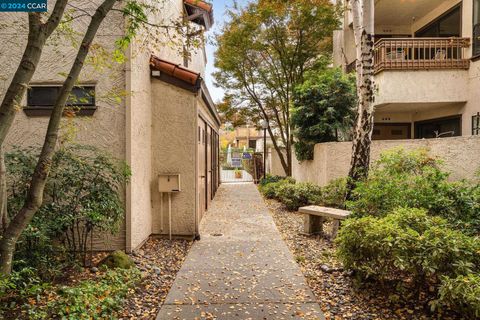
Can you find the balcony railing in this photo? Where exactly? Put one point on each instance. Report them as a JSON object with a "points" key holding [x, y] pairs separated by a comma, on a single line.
{"points": [[421, 54]]}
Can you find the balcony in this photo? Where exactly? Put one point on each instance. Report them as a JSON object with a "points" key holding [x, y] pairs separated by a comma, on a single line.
{"points": [[421, 54], [423, 73]]}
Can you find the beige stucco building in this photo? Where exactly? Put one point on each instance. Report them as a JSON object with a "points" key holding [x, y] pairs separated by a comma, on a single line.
{"points": [[248, 136], [427, 67], [161, 120]]}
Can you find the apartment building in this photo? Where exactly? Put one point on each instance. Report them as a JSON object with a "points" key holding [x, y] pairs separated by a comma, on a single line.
{"points": [[165, 126], [427, 67]]}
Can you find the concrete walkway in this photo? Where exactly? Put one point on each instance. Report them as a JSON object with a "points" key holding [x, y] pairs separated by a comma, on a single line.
{"points": [[241, 268]]}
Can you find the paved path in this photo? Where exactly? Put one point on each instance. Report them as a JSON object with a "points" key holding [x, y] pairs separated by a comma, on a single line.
{"points": [[241, 268]]}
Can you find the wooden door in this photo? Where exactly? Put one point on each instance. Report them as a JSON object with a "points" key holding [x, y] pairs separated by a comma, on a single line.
{"points": [[209, 164], [201, 168]]}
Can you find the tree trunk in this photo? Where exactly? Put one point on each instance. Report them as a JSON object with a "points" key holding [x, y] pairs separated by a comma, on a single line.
{"points": [[363, 24], [34, 197], [284, 162], [38, 34], [4, 219]]}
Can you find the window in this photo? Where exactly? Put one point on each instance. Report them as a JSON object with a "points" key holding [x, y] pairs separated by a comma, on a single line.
{"points": [[447, 25], [476, 28], [439, 128], [40, 99], [476, 124], [391, 131]]}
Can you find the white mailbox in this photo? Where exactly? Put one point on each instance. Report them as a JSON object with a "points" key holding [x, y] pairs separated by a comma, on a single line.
{"points": [[168, 183]]}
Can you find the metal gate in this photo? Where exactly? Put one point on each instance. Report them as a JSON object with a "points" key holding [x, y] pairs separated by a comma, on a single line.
{"points": [[241, 166]]}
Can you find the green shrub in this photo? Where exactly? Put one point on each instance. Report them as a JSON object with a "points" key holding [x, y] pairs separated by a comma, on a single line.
{"points": [[82, 194], [269, 190], [90, 299], [414, 179], [333, 194], [400, 179], [294, 196], [415, 219], [407, 243], [22, 284], [463, 293], [443, 251], [270, 179], [365, 245], [463, 211], [18, 288]]}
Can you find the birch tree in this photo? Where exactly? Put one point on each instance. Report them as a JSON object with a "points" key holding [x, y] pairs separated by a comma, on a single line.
{"points": [[363, 12], [38, 33], [34, 197]]}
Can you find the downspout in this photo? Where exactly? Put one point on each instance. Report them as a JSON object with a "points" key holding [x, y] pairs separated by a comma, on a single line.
{"points": [[128, 149], [196, 232]]}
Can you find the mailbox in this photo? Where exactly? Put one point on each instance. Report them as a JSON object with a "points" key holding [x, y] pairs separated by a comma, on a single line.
{"points": [[169, 183]]}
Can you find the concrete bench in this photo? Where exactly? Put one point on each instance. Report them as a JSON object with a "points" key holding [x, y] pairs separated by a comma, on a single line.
{"points": [[315, 216]]}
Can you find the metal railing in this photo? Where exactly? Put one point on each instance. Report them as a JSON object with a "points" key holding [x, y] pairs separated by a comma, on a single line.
{"points": [[421, 54]]}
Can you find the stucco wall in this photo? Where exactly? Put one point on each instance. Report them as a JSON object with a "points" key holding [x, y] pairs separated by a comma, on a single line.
{"points": [[138, 144], [173, 151], [105, 129], [150, 149], [434, 86], [274, 165], [473, 104], [169, 46], [125, 129], [332, 160]]}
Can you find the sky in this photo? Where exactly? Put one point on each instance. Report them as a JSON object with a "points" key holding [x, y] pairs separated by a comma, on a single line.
{"points": [[219, 8]]}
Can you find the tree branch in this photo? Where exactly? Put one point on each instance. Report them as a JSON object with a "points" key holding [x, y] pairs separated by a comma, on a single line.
{"points": [[55, 17]]}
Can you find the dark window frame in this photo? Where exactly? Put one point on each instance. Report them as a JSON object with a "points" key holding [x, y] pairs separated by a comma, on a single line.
{"points": [[396, 124], [476, 124], [252, 144], [476, 31], [81, 108], [443, 16], [429, 121]]}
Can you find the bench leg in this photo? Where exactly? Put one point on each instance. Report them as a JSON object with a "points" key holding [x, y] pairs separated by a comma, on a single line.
{"points": [[336, 226], [312, 224]]}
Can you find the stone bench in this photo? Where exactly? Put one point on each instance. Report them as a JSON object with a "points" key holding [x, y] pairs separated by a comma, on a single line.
{"points": [[315, 216]]}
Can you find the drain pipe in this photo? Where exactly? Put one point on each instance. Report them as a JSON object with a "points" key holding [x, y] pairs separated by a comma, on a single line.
{"points": [[196, 233]]}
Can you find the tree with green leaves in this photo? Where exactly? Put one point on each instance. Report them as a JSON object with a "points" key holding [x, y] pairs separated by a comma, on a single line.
{"points": [[323, 110], [264, 51], [136, 15]]}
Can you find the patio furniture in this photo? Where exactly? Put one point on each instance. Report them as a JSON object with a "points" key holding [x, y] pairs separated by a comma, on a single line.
{"points": [[396, 55], [315, 216]]}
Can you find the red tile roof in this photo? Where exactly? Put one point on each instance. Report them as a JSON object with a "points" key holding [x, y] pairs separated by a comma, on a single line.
{"points": [[200, 4], [175, 70], [197, 6]]}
